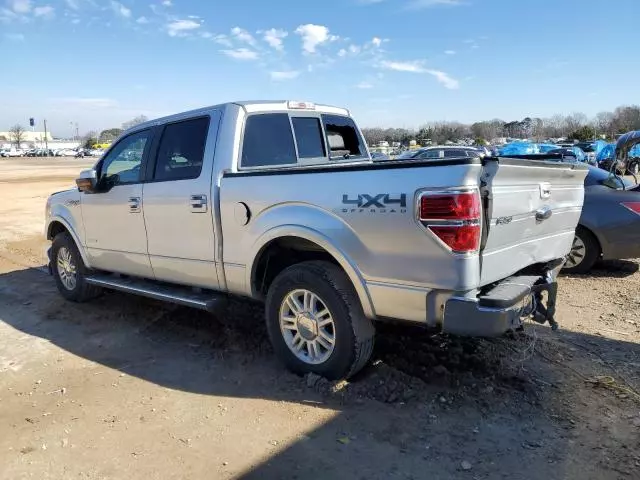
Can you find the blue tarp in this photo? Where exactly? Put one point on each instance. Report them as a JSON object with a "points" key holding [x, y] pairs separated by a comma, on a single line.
{"points": [[598, 145], [545, 147], [518, 148], [608, 151]]}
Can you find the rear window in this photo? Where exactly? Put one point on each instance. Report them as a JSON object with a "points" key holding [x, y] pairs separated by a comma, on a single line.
{"points": [[268, 141], [342, 137], [309, 139]]}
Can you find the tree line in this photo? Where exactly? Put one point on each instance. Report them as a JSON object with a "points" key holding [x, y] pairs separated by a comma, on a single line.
{"points": [[576, 126]]}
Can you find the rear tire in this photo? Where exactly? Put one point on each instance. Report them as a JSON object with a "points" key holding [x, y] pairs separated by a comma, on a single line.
{"points": [[316, 323], [584, 253], [69, 271]]}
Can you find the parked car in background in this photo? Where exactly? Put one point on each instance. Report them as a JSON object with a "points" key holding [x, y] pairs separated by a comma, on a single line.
{"points": [[12, 152], [589, 151], [567, 154], [609, 226], [440, 151]]}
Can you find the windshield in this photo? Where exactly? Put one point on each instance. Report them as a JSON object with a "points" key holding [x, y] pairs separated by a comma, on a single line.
{"points": [[598, 176]]}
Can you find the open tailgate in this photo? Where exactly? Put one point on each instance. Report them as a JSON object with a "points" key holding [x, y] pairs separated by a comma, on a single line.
{"points": [[532, 208]]}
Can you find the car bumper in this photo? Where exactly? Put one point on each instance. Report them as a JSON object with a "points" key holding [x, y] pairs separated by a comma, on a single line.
{"points": [[503, 308]]}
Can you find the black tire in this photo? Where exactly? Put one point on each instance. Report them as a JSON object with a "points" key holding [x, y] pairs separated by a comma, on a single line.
{"points": [[82, 291], [589, 256], [354, 332]]}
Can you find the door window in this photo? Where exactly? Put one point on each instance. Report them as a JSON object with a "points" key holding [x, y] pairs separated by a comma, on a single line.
{"points": [[454, 153], [122, 164], [181, 150]]}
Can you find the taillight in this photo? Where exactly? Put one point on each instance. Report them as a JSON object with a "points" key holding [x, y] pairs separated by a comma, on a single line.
{"points": [[633, 206], [453, 217]]}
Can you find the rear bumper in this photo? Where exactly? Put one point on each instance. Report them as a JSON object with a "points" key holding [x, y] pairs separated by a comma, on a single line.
{"points": [[503, 308]]}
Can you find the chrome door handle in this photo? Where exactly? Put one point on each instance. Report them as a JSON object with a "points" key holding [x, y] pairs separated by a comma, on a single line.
{"points": [[198, 203], [543, 213], [134, 204]]}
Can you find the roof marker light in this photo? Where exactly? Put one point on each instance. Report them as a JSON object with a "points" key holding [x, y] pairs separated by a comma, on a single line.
{"points": [[293, 105]]}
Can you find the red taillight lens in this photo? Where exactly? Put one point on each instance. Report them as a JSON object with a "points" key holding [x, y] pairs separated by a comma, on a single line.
{"points": [[465, 238], [633, 206], [450, 206], [454, 217]]}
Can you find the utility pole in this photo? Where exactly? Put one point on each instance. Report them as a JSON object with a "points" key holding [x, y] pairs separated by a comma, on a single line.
{"points": [[46, 141]]}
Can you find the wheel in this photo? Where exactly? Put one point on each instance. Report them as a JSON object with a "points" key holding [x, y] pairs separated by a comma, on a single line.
{"points": [[316, 323], [584, 252], [69, 270]]}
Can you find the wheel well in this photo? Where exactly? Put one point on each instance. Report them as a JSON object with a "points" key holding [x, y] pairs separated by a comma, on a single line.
{"points": [[54, 229], [594, 236], [281, 253]]}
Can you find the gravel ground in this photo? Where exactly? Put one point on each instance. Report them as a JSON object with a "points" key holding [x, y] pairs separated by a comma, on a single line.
{"points": [[125, 387]]}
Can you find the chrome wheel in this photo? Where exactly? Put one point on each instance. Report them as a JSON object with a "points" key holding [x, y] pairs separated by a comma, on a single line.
{"points": [[577, 253], [307, 326], [66, 268]]}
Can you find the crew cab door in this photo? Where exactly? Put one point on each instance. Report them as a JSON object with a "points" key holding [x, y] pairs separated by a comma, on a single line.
{"points": [[116, 239], [179, 208]]}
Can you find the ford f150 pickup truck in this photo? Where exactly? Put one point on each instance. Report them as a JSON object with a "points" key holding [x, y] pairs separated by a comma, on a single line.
{"points": [[281, 202]]}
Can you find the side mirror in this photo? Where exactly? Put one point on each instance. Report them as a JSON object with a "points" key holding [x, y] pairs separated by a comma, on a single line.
{"points": [[87, 181]]}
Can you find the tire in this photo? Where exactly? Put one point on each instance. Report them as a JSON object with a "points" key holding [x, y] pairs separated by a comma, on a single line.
{"points": [[65, 259], [584, 243], [353, 333]]}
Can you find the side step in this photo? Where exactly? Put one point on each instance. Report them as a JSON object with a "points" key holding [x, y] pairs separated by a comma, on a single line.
{"points": [[209, 301]]}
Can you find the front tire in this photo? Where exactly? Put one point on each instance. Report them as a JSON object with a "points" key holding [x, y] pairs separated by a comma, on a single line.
{"points": [[69, 270], [584, 253], [316, 323]]}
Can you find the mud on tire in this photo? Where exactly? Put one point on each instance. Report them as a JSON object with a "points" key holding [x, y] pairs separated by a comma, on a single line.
{"points": [[353, 331]]}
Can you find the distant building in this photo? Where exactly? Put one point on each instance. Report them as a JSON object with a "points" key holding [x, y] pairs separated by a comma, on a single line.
{"points": [[27, 136]]}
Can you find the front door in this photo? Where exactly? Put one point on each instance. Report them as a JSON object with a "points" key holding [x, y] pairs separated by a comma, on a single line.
{"points": [[178, 203], [116, 238]]}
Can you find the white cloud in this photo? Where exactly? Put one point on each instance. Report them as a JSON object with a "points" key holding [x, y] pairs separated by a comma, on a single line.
{"points": [[444, 79], [44, 11], [167, 3], [120, 9], [243, 36], [142, 20], [20, 6], [313, 36], [223, 40], [241, 54], [75, 21], [354, 49], [364, 85], [72, 4], [342, 52], [14, 37], [450, 52], [418, 4], [415, 66], [274, 38], [284, 75], [181, 28], [376, 42]]}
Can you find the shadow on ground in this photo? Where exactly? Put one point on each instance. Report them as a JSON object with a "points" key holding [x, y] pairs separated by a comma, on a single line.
{"points": [[428, 403]]}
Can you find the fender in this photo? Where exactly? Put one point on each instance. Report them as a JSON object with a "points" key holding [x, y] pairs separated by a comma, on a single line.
{"points": [[56, 217], [326, 243]]}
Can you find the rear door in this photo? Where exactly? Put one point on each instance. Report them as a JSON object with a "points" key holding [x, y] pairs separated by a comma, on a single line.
{"points": [[178, 208], [532, 208]]}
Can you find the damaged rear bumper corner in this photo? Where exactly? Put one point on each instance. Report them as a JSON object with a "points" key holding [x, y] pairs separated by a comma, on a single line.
{"points": [[503, 308]]}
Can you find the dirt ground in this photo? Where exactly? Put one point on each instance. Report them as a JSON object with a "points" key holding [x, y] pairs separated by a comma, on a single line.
{"points": [[128, 388]]}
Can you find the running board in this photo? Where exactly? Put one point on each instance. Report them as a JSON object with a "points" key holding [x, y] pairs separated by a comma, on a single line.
{"points": [[211, 302]]}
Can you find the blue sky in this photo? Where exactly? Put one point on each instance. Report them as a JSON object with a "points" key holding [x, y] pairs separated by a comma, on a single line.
{"points": [[391, 62]]}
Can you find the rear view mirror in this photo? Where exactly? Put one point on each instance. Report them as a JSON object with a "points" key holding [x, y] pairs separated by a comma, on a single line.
{"points": [[87, 181]]}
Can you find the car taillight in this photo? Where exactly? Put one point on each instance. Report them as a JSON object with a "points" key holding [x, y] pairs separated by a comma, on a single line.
{"points": [[453, 217], [633, 206]]}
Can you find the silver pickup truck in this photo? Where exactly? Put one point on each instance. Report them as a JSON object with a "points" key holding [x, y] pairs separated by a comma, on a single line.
{"points": [[281, 202]]}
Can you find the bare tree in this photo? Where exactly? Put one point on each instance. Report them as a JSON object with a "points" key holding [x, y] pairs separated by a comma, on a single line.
{"points": [[574, 121], [17, 134], [134, 121]]}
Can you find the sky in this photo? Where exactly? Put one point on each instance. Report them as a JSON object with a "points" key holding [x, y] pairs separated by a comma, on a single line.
{"points": [[401, 63]]}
